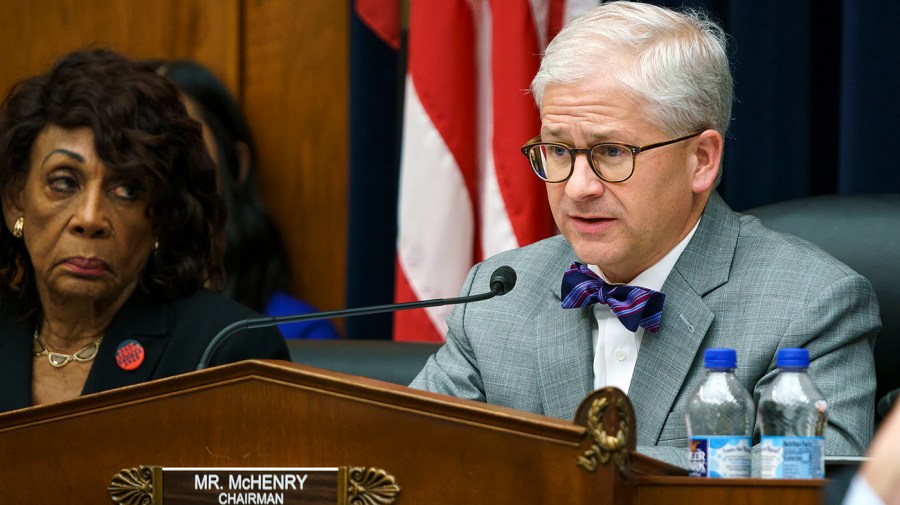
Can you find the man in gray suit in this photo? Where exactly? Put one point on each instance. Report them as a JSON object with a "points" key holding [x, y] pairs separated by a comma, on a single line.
{"points": [[635, 101]]}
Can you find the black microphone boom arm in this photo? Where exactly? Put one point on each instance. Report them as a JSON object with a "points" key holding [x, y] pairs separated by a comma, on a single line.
{"points": [[502, 281]]}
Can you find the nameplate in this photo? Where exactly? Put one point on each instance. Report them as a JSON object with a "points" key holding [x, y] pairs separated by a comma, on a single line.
{"points": [[157, 485]]}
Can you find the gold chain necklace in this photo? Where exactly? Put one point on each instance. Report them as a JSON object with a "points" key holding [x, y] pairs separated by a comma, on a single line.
{"points": [[58, 359]]}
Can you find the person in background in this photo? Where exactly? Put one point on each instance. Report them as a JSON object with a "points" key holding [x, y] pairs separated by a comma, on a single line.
{"points": [[255, 262], [112, 227], [652, 266]]}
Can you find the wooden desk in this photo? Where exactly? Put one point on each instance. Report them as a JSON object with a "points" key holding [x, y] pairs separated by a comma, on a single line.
{"points": [[277, 414]]}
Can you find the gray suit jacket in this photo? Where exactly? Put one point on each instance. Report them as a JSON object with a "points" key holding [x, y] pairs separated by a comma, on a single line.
{"points": [[737, 284]]}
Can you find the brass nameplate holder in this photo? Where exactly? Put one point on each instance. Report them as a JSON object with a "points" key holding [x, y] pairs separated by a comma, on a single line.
{"points": [[156, 485]]}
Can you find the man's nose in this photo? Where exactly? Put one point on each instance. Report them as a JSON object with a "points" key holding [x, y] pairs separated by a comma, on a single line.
{"points": [[584, 183]]}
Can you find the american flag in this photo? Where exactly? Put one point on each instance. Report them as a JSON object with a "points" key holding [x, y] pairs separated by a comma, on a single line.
{"points": [[466, 193]]}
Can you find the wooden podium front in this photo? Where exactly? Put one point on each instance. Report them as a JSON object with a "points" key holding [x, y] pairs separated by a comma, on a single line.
{"points": [[435, 449]]}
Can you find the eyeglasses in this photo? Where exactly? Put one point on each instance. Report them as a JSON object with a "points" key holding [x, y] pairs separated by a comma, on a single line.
{"points": [[612, 162]]}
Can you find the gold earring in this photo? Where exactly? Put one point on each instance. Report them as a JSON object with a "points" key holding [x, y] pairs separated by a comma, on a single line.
{"points": [[19, 227], [155, 246]]}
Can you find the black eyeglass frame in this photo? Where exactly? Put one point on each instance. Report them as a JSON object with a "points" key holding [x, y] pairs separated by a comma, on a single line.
{"points": [[573, 152]]}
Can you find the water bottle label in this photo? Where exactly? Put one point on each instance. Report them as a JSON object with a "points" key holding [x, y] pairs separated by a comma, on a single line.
{"points": [[720, 456], [792, 457]]}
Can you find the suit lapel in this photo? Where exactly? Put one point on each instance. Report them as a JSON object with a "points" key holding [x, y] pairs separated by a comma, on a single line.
{"points": [[139, 319], [564, 349], [665, 359]]}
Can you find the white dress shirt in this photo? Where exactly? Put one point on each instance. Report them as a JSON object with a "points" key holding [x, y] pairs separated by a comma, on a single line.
{"points": [[616, 348]]}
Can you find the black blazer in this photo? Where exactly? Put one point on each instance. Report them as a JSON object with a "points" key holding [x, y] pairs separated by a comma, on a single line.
{"points": [[173, 334]]}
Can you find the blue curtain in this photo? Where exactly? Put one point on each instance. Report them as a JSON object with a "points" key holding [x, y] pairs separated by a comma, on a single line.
{"points": [[870, 98], [816, 87], [376, 91]]}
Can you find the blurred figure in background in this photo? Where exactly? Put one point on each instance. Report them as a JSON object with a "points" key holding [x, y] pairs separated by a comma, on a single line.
{"points": [[255, 262]]}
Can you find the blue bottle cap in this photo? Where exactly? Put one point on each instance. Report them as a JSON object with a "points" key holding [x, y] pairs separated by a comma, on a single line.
{"points": [[793, 358], [720, 358]]}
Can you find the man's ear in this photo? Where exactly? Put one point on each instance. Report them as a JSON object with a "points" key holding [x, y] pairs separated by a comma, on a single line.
{"points": [[708, 156]]}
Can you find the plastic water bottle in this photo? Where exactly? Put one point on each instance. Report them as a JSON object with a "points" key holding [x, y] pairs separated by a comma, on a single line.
{"points": [[791, 419], [720, 420]]}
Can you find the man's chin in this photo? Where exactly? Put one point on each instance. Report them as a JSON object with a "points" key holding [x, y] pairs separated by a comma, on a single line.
{"points": [[591, 256], [592, 249]]}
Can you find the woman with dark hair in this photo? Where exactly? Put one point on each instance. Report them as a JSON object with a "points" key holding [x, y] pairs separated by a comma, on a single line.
{"points": [[113, 225], [255, 263]]}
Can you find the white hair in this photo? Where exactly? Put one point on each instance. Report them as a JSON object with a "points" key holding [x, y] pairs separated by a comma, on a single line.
{"points": [[674, 62]]}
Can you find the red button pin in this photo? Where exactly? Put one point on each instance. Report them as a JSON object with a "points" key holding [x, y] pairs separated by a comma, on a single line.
{"points": [[129, 355]]}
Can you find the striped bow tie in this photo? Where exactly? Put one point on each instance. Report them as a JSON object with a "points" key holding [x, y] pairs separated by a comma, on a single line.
{"points": [[633, 305]]}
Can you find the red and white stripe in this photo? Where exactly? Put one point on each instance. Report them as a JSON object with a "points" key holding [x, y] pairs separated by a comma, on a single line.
{"points": [[466, 192], [383, 18]]}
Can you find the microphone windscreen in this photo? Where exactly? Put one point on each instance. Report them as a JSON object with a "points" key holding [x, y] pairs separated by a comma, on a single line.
{"points": [[503, 280]]}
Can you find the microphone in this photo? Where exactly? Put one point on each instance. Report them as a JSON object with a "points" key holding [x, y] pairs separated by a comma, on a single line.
{"points": [[502, 281], [886, 402]]}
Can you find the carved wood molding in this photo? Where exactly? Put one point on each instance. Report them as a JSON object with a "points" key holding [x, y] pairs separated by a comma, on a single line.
{"points": [[135, 486], [612, 429], [371, 486]]}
